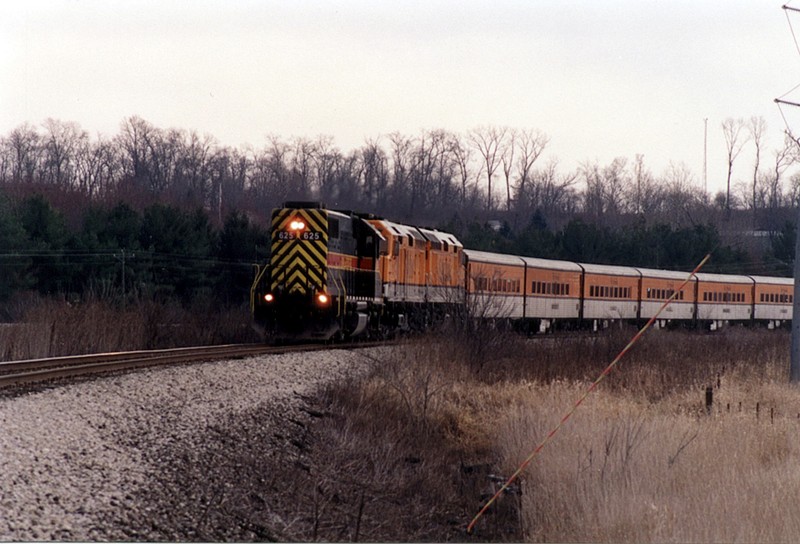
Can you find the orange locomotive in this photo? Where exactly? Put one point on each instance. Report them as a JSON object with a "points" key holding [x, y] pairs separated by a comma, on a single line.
{"points": [[339, 274]]}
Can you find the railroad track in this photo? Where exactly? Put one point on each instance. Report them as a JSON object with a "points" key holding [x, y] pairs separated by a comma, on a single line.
{"points": [[40, 370]]}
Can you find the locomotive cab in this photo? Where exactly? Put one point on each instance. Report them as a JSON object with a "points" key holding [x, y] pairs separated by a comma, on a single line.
{"points": [[321, 282]]}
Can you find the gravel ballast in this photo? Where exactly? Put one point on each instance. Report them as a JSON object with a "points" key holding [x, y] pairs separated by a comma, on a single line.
{"points": [[125, 457]]}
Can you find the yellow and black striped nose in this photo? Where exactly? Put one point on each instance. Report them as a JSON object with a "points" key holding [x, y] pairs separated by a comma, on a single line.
{"points": [[299, 250]]}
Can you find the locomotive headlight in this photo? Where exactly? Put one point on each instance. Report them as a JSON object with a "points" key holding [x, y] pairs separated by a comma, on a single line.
{"points": [[297, 225], [269, 297], [323, 299]]}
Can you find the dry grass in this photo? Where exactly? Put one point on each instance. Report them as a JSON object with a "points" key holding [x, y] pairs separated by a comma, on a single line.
{"points": [[647, 464], [640, 461], [407, 453], [49, 328]]}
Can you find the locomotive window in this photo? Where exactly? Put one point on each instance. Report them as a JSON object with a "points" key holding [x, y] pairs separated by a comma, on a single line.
{"points": [[410, 241], [333, 227]]}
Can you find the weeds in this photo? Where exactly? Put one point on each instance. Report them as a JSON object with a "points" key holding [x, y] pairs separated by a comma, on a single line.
{"points": [[409, 453], [49, 328]]}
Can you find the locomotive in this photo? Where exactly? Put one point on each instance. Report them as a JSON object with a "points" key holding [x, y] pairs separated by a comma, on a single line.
{"points": [[341, 274]]}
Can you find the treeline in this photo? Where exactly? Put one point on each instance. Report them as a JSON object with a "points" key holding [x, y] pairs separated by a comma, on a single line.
{"points": [[166, 254], [121, 255], [488, 173], [167, 214], [657, 246]]}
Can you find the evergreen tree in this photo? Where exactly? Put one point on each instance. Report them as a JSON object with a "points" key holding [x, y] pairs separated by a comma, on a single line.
{"points": [[47, 235], [14, 266], [238, 253]]}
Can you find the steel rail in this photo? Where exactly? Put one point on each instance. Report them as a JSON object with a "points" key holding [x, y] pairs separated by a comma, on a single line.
{"points": [[39, 370]]}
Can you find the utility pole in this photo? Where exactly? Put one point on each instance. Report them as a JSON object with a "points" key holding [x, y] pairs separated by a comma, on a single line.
{"points": [[794, 365]]}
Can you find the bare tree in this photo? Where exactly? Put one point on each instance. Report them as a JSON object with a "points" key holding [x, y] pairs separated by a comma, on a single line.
{"points": [[24, 144], [734, 141], [60, 147], [229, 170], [550, 191], [593, 201], [615, 184], [605, 189], [489, 143], [757, 127], [132, 139], [192, 177], [680, 192], [445, 169], [463, 156], [376, 173], [507, 160], [531, 144], [301, 171], [324, 159], [650, 192], [99, 167], [402, 164]]}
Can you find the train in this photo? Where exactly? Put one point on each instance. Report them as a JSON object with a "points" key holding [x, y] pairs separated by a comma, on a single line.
{"points": [[338, 274]]}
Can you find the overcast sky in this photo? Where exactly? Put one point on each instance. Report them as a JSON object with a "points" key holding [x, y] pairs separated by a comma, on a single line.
{"points": [[601, 79]]}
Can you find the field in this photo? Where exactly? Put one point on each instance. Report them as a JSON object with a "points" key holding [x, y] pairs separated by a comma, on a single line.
{"points": [[414, 450]]}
